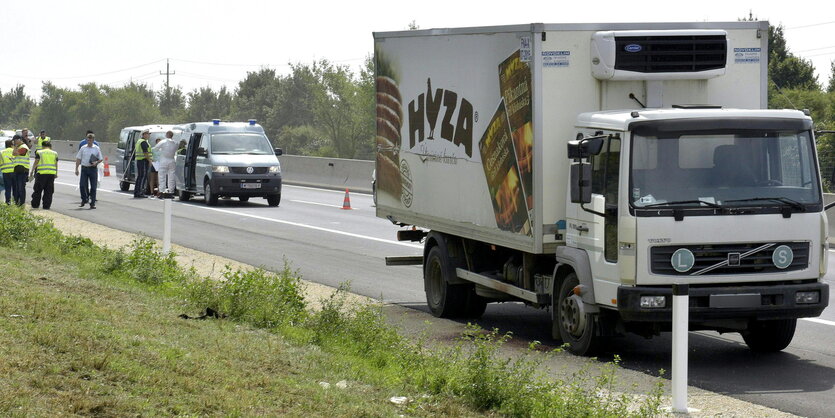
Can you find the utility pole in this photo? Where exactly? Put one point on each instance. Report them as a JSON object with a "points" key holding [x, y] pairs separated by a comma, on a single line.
{"points": [[167, 74]]}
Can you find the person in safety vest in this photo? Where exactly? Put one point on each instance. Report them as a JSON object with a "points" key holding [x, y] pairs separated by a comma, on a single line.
{"points": [[46, 170], [7, 167], [39, 142], [142, 153], [21, 170]]}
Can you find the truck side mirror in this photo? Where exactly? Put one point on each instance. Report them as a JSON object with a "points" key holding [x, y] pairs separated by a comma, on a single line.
{"points": [[278, 151], [580, 180], [586, 147]]}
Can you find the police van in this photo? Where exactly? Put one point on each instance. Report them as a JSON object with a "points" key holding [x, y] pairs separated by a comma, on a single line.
{"points": [[126, 148], [228, 159]]}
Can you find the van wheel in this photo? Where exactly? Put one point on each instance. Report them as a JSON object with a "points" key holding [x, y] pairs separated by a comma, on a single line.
{"points": [[208, 196], [577, 328], [769, 336], [274, 199], [184, 196], [244, 198], [124, 186]]}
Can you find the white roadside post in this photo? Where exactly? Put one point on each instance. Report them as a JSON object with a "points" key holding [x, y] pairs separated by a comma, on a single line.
{"points": [[166, 227], [681, 326]]}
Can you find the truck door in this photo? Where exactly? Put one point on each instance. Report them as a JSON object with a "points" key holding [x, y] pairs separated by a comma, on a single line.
{"points": [[190, 163], [596, 234]]}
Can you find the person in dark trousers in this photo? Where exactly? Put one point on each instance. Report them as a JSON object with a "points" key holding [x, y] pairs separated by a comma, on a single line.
{"points": [[88, 157], [7, 167], [21, 170], [142, 153], [45, 171]]}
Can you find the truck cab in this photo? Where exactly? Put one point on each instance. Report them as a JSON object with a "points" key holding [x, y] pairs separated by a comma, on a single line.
{"points": [[228, 159], [726, 201]]}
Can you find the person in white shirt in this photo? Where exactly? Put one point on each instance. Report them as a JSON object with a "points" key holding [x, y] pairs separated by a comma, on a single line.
{"points": [[167, 150], [88, 157]]}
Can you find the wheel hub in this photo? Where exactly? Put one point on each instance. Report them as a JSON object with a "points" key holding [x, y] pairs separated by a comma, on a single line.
{"points": [[573, 315]]}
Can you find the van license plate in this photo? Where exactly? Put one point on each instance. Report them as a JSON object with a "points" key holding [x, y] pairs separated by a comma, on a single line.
{"points": [[250, 185]]}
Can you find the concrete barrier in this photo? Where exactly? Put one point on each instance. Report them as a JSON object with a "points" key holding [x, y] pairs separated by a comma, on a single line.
{"points": [[330, 173]]}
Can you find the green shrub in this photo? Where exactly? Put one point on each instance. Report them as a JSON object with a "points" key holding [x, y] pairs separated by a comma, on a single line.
{"points": [[19, 228], [144, 263], [257, 297]]}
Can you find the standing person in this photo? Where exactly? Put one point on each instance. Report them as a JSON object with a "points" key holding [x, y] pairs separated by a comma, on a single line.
{"points": [[153, 176], [40, 140], [142, 153], [21, 170], [7, 167], [46, 170], [167, 150], [89, 156]]}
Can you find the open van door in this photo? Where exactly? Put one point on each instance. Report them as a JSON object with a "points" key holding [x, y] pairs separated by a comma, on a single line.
{"points": [[128, 168], [189, 180]]}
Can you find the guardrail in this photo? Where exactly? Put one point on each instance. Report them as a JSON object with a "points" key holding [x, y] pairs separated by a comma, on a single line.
{"points": [[330, 173]]}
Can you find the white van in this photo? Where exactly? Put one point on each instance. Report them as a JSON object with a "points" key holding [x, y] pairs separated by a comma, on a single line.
{"points": [[228, 159], [125, 149]]}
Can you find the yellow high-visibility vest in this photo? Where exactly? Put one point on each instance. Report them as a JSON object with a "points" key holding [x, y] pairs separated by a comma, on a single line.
{"points": [[48, 163]]}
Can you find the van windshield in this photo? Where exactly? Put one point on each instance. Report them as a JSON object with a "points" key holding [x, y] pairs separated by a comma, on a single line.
{"points": [[237, 143]]}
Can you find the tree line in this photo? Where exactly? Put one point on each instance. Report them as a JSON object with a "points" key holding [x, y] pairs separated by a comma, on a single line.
{"points": [[326, 109], [321, 109]]}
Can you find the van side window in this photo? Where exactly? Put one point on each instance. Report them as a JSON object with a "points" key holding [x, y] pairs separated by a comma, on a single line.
{"points": [[123, 139], [204, 141]]}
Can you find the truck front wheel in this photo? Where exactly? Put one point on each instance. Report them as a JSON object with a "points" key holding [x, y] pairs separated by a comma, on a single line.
{"points": [[769, 336], [577, 328]]}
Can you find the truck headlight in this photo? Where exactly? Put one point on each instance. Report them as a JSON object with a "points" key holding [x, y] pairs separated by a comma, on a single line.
{"points": [[220, 169], [275, 169], [807, 297], [653, 302]]}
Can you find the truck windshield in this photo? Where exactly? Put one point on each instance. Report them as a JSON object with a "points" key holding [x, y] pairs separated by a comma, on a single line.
{"points": [[729, 168], [240, 143]]}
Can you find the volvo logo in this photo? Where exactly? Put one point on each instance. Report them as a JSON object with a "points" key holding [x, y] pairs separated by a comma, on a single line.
{"points": [[633, 48], [250, 170]]}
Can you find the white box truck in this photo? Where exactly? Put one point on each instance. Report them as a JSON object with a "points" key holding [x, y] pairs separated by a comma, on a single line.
{"points": [[586, 168]]}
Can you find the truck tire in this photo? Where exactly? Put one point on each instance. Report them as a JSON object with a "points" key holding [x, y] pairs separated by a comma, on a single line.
{"points": [[274, 200], [124, 186], [184, 196], [208, 196], [577, 328], [445, 300], [769, 336]]}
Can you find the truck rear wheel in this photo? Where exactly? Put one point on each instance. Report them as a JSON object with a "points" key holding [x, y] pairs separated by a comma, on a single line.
{"points": [[577, 328], [769, 336], [445, 300], [124, 186]]}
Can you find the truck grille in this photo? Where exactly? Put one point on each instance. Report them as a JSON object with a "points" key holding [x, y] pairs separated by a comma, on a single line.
{"points": [[711, 255], [670, 54], [255, 170]]}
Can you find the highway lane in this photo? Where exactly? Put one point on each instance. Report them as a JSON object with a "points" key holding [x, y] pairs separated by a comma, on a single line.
{"points": [[331, 246]]}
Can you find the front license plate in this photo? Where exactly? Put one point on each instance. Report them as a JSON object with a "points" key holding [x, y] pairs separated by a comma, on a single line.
{"points": [[250, 185]]}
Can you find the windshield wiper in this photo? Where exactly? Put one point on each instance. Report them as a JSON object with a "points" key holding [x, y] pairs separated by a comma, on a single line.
{"points": [[784, 200], [682, 202]]}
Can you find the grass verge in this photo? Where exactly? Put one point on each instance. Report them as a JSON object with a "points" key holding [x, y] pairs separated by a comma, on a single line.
{"points": [[87, 330]]}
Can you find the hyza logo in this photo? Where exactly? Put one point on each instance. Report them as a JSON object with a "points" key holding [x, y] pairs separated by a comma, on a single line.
{"points": [[427, 108]]}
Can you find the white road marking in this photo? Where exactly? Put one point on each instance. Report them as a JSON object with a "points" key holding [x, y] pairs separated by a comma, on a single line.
{"points": [[819, 321], [263, 218], [319, 204]]}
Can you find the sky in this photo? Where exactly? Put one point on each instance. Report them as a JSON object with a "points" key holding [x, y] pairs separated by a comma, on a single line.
{"points": [[215, 42]]}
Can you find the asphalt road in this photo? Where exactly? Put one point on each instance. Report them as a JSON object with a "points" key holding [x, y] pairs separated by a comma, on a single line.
{"points": [[333, 246]]}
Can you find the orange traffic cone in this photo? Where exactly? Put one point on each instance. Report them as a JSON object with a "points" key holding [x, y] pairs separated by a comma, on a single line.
{"points": [[346, 203], [106, 168]]}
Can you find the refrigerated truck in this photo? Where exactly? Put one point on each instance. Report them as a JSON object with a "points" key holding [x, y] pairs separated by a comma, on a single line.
{"points": [[587, 168]]}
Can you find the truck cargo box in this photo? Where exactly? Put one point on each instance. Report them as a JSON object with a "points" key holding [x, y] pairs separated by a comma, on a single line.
{"points": [[472, 123]]}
